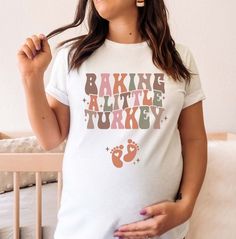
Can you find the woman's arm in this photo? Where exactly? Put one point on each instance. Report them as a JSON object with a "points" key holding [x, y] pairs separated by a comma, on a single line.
{"points": [[48, 117], [194, 151]]}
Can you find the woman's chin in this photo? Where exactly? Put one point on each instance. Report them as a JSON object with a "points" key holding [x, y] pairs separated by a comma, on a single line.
{"points": [[105, 15]]}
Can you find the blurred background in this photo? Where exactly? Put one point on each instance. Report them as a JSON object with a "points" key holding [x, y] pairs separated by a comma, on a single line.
{"points": [[206, 27]]}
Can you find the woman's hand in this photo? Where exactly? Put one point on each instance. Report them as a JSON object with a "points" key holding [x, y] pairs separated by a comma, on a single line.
{"points": [[163, 217], [34, 56]]}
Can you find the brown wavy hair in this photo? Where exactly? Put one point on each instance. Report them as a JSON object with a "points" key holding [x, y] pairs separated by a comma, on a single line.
{"points": [[152, 25]]}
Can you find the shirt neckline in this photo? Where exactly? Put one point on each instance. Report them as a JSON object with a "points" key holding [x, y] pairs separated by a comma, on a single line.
{"points": [[111, 43]]}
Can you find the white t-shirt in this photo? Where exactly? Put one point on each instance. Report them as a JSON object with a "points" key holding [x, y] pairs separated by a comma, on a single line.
{"points": [[123, 150]]}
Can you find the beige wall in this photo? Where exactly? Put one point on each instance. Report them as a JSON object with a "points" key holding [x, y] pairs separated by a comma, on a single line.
{"points": [[205, 26]]}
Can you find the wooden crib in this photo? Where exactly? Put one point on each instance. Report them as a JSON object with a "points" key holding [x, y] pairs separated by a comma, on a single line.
{"points": [[31, 162], [45, 162]]}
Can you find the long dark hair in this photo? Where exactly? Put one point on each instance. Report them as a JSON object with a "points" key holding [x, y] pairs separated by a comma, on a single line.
{"points": [[152, 25]]}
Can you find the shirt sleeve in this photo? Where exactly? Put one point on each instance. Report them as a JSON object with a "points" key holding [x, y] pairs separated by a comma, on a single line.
{"points": [[57, 86], [193, 90]]}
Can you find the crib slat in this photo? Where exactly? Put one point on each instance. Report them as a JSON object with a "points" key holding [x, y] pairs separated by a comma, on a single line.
{"points": [[59, 188], [38, 205], [16, 209]]}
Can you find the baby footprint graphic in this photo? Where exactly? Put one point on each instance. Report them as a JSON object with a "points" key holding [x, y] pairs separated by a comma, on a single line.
{"points": [[116, 155], [132, 149]]}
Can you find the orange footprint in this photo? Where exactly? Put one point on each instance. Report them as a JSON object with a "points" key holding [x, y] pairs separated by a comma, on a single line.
{"points": [[116, 155], [132, 149]]}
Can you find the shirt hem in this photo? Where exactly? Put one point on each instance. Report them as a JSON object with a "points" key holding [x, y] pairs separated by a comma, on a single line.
{"points": [[54, 92]]}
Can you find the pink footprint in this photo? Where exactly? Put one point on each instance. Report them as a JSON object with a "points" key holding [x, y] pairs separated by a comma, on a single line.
{"points": [[116, 155], [132, 149]]}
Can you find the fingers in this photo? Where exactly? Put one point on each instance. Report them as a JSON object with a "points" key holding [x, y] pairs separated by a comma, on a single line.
{"points": [[137, 229], [139, 234], [156, 209], [37, 42], [45, 44], [137, 226], [27, 51], [32, 45], [138, 237], [151, 227]]}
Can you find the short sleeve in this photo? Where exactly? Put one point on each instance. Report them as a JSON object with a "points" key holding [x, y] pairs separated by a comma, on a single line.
{"points": [[193, 90], [57, 85]]}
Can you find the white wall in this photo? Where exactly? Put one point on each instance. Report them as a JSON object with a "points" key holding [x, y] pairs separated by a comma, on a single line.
{"points": [[205, 26], [208, 28]]}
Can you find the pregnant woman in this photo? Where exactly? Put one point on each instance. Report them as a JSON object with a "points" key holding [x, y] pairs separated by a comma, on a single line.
{"points": [[128, 99]]}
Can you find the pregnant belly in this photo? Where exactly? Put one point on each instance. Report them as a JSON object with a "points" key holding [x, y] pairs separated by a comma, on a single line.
{"points": [[122, 193], [101, 198], [93, 207]]}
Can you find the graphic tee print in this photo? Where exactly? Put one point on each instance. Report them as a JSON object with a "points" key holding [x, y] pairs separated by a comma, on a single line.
{"points": [[120, 95], [128, 104], [123, 150]]}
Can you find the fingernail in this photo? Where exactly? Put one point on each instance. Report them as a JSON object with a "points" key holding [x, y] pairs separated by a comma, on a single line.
{"points": [[143, 212], [43, 36], [122, 229]]}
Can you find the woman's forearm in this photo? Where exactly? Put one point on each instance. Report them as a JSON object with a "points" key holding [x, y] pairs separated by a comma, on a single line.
{"points": [[194, 153], [42, 118]]}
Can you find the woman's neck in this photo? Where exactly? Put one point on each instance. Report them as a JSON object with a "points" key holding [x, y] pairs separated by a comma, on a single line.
{"points": [[124, 29]]}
